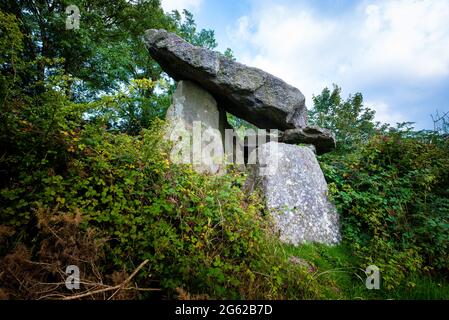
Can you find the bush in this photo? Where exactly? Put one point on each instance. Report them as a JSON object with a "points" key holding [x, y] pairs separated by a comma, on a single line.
{"points": [[393, 197], [201, 234]]}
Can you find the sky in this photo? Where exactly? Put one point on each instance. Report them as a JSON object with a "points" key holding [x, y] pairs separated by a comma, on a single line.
{"points": [[395, 52]]}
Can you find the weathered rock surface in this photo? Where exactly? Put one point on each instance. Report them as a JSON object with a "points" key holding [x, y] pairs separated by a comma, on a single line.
{"points": [[296, 193], [194, 127], [322, 139], [249, 93]]}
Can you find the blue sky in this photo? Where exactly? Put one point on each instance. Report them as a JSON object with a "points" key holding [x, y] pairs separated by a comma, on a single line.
{"points": [[395, 52]]}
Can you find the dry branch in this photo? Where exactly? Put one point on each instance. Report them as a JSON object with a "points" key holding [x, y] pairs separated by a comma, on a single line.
{"points": [[117, 287]]}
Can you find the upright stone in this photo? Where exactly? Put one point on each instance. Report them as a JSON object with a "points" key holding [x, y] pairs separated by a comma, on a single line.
{"points": [[296, 193], [194, 127]]}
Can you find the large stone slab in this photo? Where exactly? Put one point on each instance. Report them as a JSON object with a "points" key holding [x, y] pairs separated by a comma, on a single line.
{"points": [[194, 124], [296, 193], [249, 93]]}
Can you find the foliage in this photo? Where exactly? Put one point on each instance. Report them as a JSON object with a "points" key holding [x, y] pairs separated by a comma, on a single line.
{"points": [[441, 122], [103, 56], [239, 124], [229, 54], [199, 233], [83, 162], [67, 158], [350, 120], [390, 186], [393, 197], [186, 27], [343, 270], [104, 52]]}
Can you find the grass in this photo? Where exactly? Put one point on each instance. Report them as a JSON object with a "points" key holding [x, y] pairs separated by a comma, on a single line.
{"points": [[337, 265]]}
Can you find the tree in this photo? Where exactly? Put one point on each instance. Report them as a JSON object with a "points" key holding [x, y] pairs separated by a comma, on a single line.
{"points": [[229, 54], [105, 52], [103, 56], [350, 120], [186, 28], [441, 122]]}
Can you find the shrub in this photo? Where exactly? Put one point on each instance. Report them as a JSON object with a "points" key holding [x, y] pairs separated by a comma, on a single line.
{"points": [[200, 233], [392, 194]]}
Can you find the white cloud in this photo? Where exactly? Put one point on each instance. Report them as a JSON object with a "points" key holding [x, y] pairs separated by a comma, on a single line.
{"points": [[242, 30], [384, 113], [377, 43], [191, 5], [410, 38]]}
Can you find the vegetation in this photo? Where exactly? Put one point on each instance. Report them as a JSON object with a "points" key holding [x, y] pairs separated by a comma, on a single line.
{"points": [[391, 190], [85, 179]]}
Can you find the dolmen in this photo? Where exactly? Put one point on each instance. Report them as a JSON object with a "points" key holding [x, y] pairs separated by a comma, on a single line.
{"points": [[279, 154]]}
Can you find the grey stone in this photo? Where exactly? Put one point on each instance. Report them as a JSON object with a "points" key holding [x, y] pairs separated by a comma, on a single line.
{"points": [[249, 93], [194, 126], [322, 139], [311, 147], [253, 140], [295, 193]]}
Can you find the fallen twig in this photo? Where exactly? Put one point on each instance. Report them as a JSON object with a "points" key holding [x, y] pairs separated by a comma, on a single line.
{"points": [[117, 287]]}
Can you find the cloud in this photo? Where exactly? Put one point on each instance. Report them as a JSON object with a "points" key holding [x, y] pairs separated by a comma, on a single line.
{"points": [[191, 5], [384, 113], [410, 38], [374, 44]]}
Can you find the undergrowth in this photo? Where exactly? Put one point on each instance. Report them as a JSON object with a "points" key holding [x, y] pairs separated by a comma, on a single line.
{"points": [[201, 234]]}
